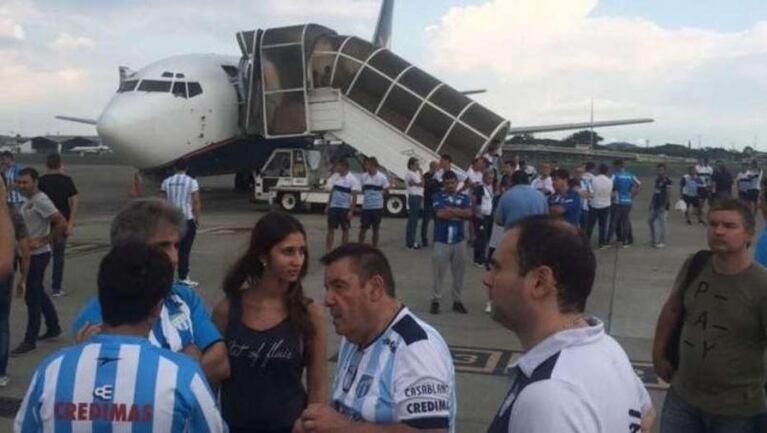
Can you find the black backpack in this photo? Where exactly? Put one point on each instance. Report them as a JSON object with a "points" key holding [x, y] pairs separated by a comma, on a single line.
{"points": [[697, 263]]}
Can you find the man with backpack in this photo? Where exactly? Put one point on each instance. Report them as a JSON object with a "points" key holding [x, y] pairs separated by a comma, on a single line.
{"points": [[716, 319]]}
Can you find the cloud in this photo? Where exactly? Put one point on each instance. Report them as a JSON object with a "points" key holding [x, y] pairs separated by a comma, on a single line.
{"points": [[10, 30], [543, 60], [65, 41]]}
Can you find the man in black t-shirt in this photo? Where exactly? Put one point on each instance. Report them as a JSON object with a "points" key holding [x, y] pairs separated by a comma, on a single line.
{"points": [[722, 180], [62, 191]]}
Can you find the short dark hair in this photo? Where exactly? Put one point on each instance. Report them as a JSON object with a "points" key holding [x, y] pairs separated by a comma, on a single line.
{"points": [[411, 161], [548, 241], [373, 160], [53, 161], [449, 174], [132, 280], [590, 166], [519, 177], [604, 168], [618, 163], [739, 206], [368, 262], [661, 165], [561, 173], [181, 164], [6, 154], [29, 171], [447, 157], [343, 162]]}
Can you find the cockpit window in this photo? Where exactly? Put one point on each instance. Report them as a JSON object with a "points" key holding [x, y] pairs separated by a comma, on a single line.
{"points": [[179, 89], [154, 86], [194, 89], [179, 75], [167, 74], [230, 70], [127, 86]]}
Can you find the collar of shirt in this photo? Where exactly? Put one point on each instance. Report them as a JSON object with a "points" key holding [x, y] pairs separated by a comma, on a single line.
{"points": [[118, 338], [554, 343]]}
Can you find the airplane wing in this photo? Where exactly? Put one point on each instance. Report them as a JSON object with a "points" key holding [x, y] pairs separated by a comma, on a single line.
{"points": [[568, 126], [77, 119], [382, 35]]}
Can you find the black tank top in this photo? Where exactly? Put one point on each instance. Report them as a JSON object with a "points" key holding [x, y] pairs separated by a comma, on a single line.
{"points": [[264, 392]]}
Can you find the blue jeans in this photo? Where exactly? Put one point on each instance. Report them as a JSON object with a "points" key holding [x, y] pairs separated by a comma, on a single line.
{"points": [[413, 212], [38, 302], [680, 417], [6, 293], [657, 222], [185, 249]]}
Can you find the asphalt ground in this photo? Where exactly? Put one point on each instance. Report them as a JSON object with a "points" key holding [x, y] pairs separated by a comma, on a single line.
{"points": [[630, 287]]}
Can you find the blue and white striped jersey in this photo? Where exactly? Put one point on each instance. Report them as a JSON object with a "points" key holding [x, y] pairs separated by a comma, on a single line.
{"points": [[341, 190], [14, 195], [373, 190], [179, 188], [115, 383], [405, 376], [183, 321]]}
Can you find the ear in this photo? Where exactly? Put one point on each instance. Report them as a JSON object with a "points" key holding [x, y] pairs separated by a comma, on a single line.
{"points": [[543, 282], [377, 288]]}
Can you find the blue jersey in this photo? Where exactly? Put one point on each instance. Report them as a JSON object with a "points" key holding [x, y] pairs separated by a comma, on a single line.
{"points": [[405, 376], [373, 190], [519, 202], [449, 231], [115, 383], [571, 202], [14, 195], [183, 321], [623, 183]]}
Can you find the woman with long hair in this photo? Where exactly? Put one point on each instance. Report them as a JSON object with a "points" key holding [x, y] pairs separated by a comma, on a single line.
{"points": [[272, 331]]}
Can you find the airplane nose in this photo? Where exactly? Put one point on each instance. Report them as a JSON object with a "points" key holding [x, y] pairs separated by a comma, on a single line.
{"points": [[124, 128]]}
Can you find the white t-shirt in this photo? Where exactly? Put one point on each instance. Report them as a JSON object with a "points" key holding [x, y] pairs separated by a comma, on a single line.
{"points": [[545, 186], [578, 380], [602, 191], [704, 172], [178, 189], [475, 177], [411, 179]]}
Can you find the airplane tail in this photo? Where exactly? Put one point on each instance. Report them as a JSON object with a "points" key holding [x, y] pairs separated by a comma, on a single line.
{"points": [[382, 35]]}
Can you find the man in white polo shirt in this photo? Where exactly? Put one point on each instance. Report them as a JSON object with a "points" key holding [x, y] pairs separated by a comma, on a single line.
{"points": [[573, 377], [375, 185], [183, 191]]}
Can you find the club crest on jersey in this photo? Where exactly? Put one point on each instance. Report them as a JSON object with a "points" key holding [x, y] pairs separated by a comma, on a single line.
{"points": [[363, 386], [180, 321], [351, 371]]}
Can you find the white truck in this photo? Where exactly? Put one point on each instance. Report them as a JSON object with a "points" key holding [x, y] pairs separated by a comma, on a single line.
{"points": [[296, 179]]}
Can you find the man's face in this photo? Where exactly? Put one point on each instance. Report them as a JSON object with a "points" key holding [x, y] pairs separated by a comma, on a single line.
{"points": [[26, 185], [559, 184], [450, 185], [579, 172], [5, 163], [661, 171], [166, 238], [342, 169], [545, 169], [444, 164], [371, 168], [348, 300], [726, 232], [508, 169], [508, 290]]}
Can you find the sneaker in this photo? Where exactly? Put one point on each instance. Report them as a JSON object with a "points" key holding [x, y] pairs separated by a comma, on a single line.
{"points": [[49, 334], [660, 245], [4, 381], [604, 247], [58, 293], [417, 247], [488, 307], [479, 265], [459, 308], [434, 308], [187, 282], [22, 348], [701, 222], [626, 245]]}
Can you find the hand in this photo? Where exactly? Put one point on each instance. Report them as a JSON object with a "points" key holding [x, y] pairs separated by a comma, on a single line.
{"points": [[193, 352], [21, 288], [298, 426], [320, 418], [327, 209], [663, 369], [87, 331], [69, 230], [37, 243], [351, 213]]}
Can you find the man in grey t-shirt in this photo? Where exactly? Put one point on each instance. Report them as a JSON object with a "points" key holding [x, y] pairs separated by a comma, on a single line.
{"points": [[44, 225]]}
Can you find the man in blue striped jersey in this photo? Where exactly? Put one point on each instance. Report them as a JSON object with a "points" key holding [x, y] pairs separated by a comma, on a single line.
{"points": [[394, 372], [375, 185], [183, 191], [11, 170], [451, 208], [344, 187], [117, 380], [184, 324]]}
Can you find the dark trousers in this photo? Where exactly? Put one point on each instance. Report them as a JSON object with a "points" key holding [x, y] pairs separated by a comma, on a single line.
{"points": [[483, 225], [623, 232], [427, 217], [58, 248], [583, 220], [185, 249], [601, 216], [414, 203], [6, 293], [38, 302]]}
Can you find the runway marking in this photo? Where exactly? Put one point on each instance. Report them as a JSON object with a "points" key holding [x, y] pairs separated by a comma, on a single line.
{"points": [[76, 249]]}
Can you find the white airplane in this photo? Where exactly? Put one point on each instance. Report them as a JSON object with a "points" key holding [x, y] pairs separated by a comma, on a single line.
{"points": [[200, 106]]}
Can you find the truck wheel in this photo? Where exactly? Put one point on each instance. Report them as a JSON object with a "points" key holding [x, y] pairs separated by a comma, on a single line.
{"points": [[395, 206], [288, 201]]}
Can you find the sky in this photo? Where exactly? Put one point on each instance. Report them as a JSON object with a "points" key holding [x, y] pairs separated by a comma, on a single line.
{"points": [[698, 67]]}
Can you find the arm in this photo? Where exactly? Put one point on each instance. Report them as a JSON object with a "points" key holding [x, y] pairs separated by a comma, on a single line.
{"points": [[670, 315], [74, 208], [215, 359], [317, 366], [26, 259], [196, 206], [58, 228], [319, 418]]}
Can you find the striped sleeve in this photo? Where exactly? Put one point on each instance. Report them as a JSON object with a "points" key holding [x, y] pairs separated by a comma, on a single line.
{"points": [[204, 416], [28, 418]]}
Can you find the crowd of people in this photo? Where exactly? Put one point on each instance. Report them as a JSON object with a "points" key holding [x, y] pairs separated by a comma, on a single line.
{"points": [[149, 355]]}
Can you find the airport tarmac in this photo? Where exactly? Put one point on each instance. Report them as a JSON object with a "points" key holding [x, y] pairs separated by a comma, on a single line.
{"points": [[630, 288]]}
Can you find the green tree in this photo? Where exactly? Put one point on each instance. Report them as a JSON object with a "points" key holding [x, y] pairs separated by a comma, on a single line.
{"points": [[522, 139], [583, 137]]}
